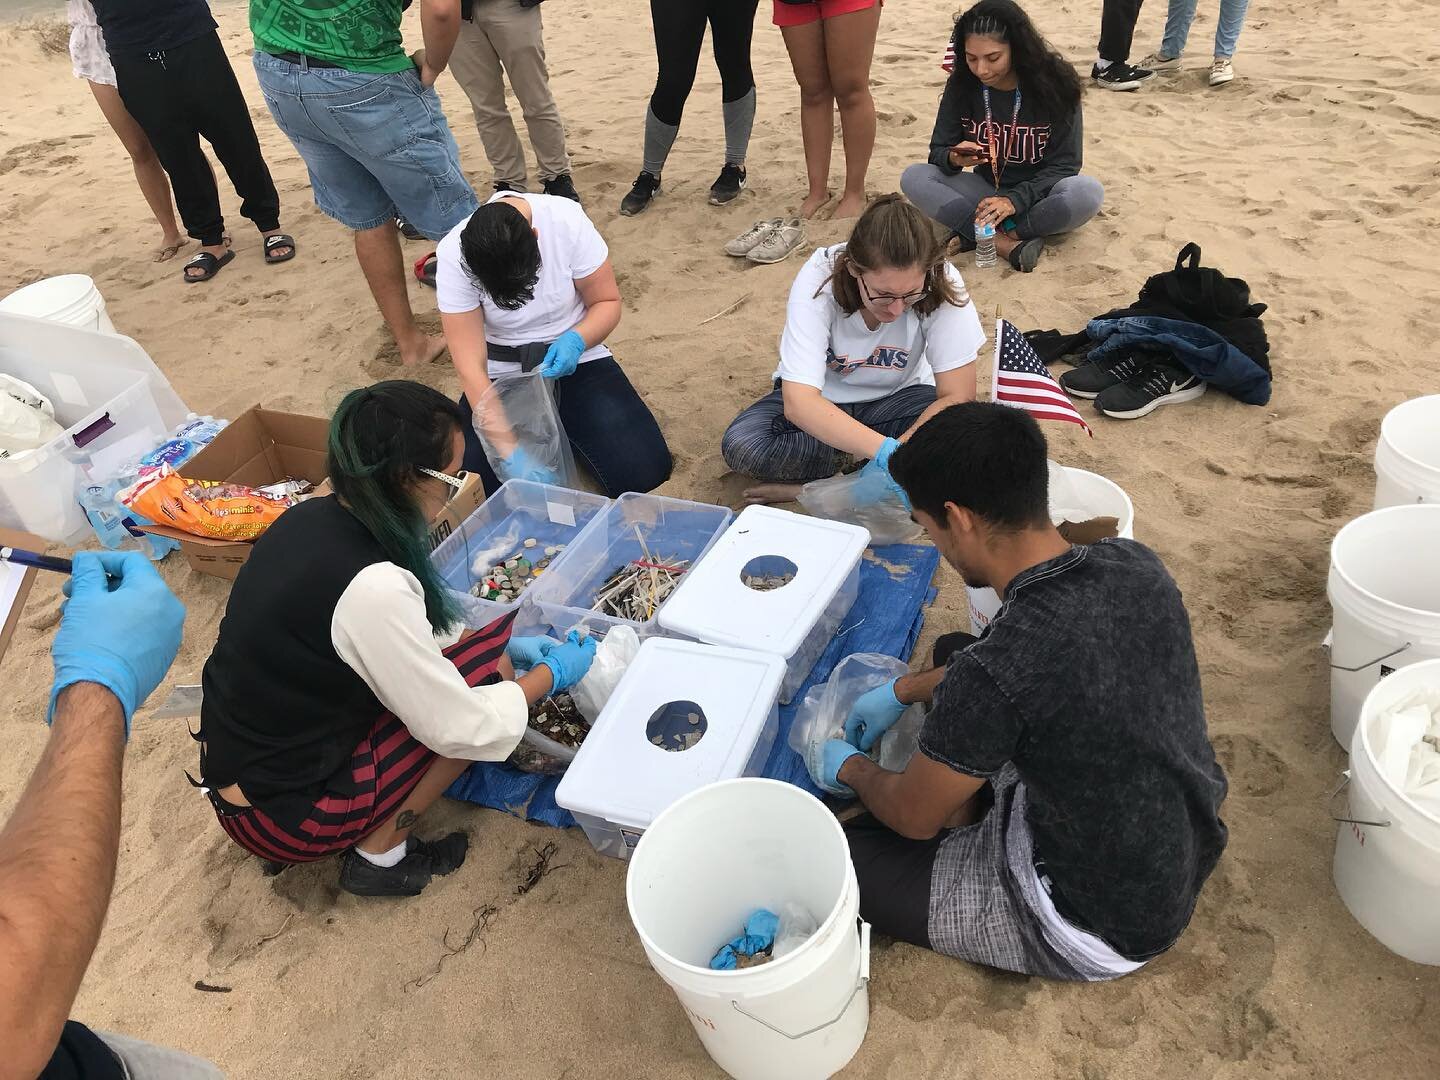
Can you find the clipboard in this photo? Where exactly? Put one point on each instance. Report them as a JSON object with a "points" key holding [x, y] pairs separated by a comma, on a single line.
{"points": [[15, 583]]}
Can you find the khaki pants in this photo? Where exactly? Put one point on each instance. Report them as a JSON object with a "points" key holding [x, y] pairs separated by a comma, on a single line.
{"points": [[506, 39]]}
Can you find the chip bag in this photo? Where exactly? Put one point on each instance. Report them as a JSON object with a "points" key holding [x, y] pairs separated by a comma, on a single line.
{"points": [[207, 508]]}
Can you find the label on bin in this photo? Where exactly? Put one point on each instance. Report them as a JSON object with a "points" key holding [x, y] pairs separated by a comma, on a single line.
{"points": [[560, 514]]}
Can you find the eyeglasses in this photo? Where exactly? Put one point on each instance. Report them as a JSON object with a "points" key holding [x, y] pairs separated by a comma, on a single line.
{"points": [[454, 483], [885, 299]]}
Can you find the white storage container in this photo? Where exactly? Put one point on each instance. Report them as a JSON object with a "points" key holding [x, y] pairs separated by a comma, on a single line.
{"points": [[112, 400], [713, 604], [622, 779], [520, 510], [672, 530]]}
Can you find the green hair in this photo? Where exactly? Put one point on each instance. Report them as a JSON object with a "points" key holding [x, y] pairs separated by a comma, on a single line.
{"points": [[380, 438]]}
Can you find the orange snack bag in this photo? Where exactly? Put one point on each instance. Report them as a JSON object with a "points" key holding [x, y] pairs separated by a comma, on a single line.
{"points": [[204, 507]]}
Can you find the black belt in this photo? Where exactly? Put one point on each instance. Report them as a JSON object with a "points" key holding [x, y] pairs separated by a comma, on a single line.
{"points": [[304, 61], [529, 356]]}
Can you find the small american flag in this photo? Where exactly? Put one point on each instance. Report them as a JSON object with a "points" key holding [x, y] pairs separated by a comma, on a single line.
{"points": [[948, 63], [1022, 380]]}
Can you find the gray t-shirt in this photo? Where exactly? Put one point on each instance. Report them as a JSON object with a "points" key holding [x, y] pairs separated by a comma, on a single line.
{"points": [[1087, 681]]}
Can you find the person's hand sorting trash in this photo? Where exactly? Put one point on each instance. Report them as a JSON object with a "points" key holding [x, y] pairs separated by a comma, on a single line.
{"points": [[837, 752], [876, 483], [563, 356], [527, 652], [873, 714], [120, 628], [569, 660], [521, 466]]}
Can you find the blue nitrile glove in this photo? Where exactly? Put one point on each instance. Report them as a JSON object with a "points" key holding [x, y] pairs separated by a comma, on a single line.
{"points": [[527, 652], [759, 935], [569, 661], [837, 752], [875, 480], [563, 355], [120, 628], [521, 466], [873, 714]]}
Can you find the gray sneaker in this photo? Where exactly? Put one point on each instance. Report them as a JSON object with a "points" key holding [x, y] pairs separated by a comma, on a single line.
{"points": [[743, 244], [779, 243]]}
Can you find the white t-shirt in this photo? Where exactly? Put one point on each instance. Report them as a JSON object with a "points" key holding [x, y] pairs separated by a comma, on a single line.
{"points": [[570, 247], [847, 361]]}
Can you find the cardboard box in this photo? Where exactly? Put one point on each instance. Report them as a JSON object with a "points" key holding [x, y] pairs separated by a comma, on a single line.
{"points": [[15, 581]]}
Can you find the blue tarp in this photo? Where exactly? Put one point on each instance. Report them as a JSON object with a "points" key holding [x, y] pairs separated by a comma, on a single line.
{"points": [[886, 618]]}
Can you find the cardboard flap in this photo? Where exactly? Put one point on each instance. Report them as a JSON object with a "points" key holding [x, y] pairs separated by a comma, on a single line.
{"points": [[15, 582]]}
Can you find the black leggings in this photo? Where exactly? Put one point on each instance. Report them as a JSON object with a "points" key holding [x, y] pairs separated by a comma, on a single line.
{"points": [[679, 33]]}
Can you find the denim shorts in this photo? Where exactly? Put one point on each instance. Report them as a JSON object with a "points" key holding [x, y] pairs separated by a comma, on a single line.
{"points": [[375, 144]]}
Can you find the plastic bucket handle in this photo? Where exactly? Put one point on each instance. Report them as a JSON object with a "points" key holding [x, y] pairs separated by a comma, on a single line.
{"points": [[1372, 663], [860, 984], [1330, 804]]}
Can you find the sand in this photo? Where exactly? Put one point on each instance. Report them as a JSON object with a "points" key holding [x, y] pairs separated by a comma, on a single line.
{"points": [[1313, 175]]}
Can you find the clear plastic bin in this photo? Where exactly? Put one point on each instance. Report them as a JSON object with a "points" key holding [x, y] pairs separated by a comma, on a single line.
{"points": [[520, 510], [670, 528]]}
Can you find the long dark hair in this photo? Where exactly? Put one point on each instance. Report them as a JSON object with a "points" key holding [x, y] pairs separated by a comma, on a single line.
{"points": [[380, 438], [893, 232], [1046, 77]]}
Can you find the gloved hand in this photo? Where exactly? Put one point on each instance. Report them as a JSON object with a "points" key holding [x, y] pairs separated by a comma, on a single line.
{"points": [[563, 355], [569, 661], [873, 714], [875, 482], [521, 466], [527, 652], [836, 753], [759, 936], [120, 628]]}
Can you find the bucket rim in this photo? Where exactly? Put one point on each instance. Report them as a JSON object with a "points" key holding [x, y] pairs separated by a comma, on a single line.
{"points": [[1368, 518], [1393, 447], [1129, 502], [1362, 734], [774, 965]]}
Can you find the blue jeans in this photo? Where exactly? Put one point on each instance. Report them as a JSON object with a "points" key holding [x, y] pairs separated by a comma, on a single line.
{"points": [[374, 144], [1227, 28], [611, 430]]}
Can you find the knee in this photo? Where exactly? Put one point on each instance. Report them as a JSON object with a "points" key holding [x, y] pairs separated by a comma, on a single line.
{"points": [[914, 182], [1090, 193], [817, 93], [852, 95]]}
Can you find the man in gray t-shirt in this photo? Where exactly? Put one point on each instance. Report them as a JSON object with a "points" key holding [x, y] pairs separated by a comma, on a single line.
{"points": [[1062, 810]]}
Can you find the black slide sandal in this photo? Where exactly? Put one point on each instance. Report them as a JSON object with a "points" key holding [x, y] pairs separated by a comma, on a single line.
{"points": [[279, 240], [206, 262], [1026, 254]]}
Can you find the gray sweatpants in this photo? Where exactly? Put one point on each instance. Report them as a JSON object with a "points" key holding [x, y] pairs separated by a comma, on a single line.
{"points": [[145, 1061], [951, 200]]}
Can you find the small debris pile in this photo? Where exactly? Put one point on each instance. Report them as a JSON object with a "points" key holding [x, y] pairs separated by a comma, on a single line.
{"points": [[678, 740], [559, 720], [507, 579], [636, 590], [766, 582]]}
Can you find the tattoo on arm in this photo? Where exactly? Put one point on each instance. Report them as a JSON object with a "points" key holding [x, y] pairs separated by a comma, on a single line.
{"points": [[405, 819]]}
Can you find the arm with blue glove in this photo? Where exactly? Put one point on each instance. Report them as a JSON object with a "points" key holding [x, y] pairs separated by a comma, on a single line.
{"points": [[875, 482], [527, 652], [563, 356], [569, 661]]}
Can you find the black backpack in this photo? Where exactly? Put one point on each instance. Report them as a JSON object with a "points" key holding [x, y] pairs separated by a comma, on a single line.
{"points": [[1205, 295]]}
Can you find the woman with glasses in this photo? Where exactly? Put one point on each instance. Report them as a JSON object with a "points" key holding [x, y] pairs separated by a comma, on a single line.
{"points": [[879, 336], [343, 695]]}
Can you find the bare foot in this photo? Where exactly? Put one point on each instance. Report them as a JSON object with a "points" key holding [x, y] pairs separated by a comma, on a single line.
{"points": [[813, 202], [426, 350], [772, 493], [1005, 244], [849, 206], [170, 247]]}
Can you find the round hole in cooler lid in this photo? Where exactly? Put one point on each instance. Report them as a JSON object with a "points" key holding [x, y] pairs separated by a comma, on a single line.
{"points": [[676, 726], [765, 573]]}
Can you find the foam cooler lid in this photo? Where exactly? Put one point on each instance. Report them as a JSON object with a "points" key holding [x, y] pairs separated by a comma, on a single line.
{"points": [[620, 775], [713, 604]]}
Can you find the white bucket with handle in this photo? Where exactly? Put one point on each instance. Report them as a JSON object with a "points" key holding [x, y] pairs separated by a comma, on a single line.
{"points": [[701, 869], [72, 299], [1093, 495], [1384, 590], [1407, 454], [1387, 853]]}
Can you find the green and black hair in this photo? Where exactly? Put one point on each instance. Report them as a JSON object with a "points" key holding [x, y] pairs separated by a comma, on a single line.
{"points": [[380, 438]]}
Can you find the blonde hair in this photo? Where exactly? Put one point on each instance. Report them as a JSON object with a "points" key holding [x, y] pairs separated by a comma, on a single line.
{"points": [[893, 233]]}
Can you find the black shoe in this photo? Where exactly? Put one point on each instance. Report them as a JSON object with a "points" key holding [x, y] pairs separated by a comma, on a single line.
{"points": [[563, 186], [728, 185], [959, 244], [1120, 76], [1158, 383], [641, 195], [410, 232], [424, 859], [1025, 255], [1093, 376], [505, 185]]}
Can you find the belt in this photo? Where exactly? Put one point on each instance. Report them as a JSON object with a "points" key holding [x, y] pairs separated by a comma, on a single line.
{"points": [[305, 61], [529, 356]]}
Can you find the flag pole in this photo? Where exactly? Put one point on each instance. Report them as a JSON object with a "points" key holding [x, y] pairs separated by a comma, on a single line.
{"points": [[995, 360]]}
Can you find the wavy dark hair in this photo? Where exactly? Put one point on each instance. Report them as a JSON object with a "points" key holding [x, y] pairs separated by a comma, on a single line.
{"points": [[1046, 77], [892, 232], [380, 438], [501, 254]]}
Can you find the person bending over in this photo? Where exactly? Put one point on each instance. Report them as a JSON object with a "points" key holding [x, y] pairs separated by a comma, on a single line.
{"points": [[879, 335], [1062, 811], [526, 285], [1015, 92], [333, 714]]}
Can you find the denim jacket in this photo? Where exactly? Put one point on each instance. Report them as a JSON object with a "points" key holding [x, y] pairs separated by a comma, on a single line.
{"points": [[1208, 355]]}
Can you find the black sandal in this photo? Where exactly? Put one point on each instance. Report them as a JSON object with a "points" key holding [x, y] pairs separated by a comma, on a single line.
{"points": [[207, 263], [279, 240], [1024, 255]]}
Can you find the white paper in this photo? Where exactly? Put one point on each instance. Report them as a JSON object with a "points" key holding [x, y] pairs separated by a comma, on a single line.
{"points": [[560, 514], [11, 577]]}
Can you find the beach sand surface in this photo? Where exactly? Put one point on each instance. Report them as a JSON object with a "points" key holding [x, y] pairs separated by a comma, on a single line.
{"points": [[1313, 175]]}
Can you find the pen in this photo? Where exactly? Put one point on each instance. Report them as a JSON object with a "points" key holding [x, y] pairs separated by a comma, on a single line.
{"points": [[21, 557]]}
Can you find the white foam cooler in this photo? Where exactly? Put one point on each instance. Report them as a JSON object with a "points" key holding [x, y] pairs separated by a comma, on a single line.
{"points": [[621, 780], [795, 621]]}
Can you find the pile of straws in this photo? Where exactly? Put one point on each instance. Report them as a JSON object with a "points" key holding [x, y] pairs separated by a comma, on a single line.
{"points": [[636, 590]]}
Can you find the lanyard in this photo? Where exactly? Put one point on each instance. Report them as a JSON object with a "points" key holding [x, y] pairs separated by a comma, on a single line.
{"points": [[997, 167]]}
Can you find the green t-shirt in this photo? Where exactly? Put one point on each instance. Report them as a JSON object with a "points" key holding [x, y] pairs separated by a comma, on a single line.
{"points": [[359, 35]]}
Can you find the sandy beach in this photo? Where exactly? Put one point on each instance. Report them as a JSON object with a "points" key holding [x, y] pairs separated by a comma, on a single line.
{"points": [[1313, 175]]}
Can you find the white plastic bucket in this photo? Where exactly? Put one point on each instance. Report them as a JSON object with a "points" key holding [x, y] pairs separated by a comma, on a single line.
{"points": [[1099, 496], [1384, 593], [1407, 455], [1387, 853], [699, 872], [72, 299]]}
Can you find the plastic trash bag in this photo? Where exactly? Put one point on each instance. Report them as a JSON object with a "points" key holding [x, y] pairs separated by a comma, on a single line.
{"points": [[27, 419], [835, 498], [797, 926], [518, 413], [822, 714], [615, 653]]}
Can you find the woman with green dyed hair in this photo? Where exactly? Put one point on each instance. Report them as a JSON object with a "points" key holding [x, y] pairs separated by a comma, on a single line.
{"points": [[338, 702]]}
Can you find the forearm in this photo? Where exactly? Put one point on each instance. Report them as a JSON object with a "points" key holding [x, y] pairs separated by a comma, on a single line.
{"points": [[57, 865], [536, 683], [439, 27], [882, 793], [601, 319], [815, 416], [918, 687]]}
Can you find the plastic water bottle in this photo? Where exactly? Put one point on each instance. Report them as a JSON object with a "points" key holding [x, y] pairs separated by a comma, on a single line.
{"points": [[984, 246], [105, 518]]}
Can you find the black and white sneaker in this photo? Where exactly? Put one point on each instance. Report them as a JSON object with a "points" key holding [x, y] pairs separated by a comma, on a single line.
{"points": [[728, 185], [1090, 378], [505, 185], [1120, 76], [1157, 383], [563, 186], [642, 194], [424, 860]]}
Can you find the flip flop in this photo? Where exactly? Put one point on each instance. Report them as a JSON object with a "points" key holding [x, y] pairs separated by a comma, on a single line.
{"points": [[206, 262], [279, 240], [166, 252], [1026, 254]]}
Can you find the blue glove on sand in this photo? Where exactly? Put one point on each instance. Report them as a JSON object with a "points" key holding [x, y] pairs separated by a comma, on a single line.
{"points": [[563, 356], [521, 466], [837, 752], [527, 652], [120, 628], [875, 482], [759, 935], [569, 661], [873, 714]]}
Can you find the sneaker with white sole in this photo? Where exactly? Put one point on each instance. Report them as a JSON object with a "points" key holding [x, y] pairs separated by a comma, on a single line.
{"points": [[745, 243], [1120, 76], [728, 185], [642, 194], [1094, 376], [1157, 62], [1156, 384], [777, 246], [1221, 71]]}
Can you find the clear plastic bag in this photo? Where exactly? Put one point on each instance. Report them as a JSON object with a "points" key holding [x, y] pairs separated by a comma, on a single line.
{"points": [[27, 419], [614, 654], [797, 926], [822, 714], [518, 412], [835, 498]]}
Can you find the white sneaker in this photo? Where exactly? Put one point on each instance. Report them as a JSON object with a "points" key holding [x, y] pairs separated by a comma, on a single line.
{"points": [[1221, 71], [779, 243], [1157, 62], [743, 244]]}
